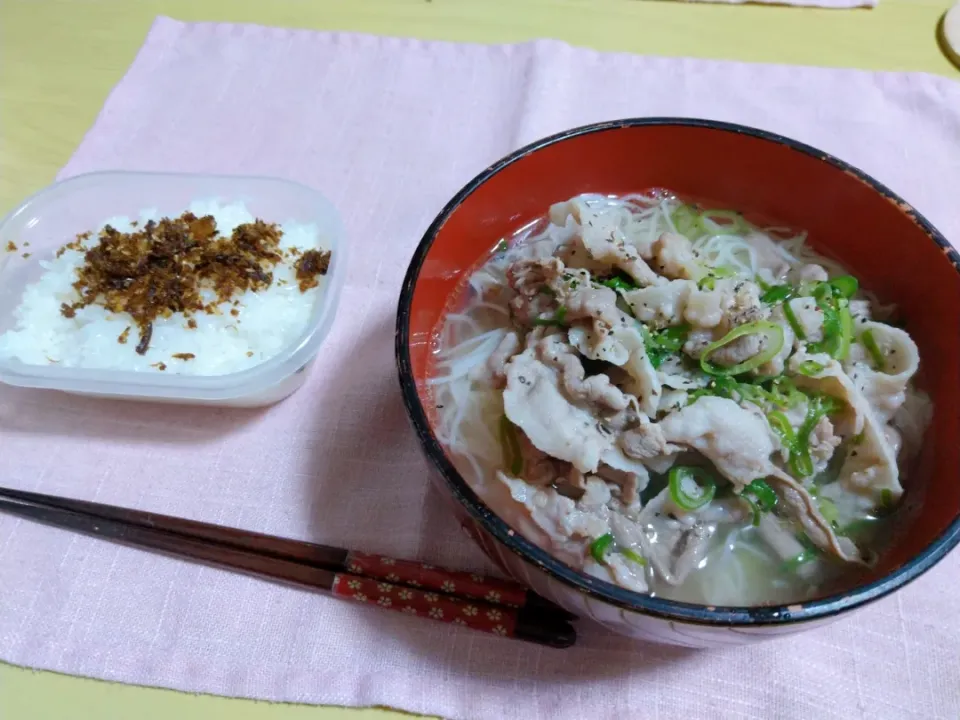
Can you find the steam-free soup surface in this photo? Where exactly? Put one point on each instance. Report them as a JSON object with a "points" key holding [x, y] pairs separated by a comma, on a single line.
{"points": [[680, 402]]}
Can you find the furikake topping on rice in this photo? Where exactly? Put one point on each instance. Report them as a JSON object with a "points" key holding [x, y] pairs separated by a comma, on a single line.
{"points": [[180, 265], [311, 265]]}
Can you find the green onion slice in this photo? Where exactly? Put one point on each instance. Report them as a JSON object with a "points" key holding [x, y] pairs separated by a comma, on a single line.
{"points": [[778, 391], [801, 463], [765, 496], [781, 391], [784, 294], [599, 546], [870, 343], [837, 332], [751, 393], [829, 510], [845, 285], [721, 222], [781, 426], [619, 283], [886, 499], [511, 446], [760, 497], [754, 509], [831, 330], [773, 334], [810, 368], [673, 338], [664, 343], [687, 221], [794, 563], [819, 406], [810, 552], [635, 557], [837, 323], [822, 291], [709, 282], [830, 404], [558, 317], [784, 394], [683, 479], [712, 388], [846, 334], [776, 294], [859, 527], [655, 354], [795, 325]]}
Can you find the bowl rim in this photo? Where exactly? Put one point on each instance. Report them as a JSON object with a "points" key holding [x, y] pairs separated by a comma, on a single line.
{"points": [[728, 616]]}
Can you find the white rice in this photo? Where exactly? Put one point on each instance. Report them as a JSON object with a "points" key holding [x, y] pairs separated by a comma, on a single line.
{"points": [[268, 320]]}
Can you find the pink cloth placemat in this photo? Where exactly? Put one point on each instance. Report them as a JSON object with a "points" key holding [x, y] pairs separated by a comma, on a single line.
{"points": [[389, 129]]}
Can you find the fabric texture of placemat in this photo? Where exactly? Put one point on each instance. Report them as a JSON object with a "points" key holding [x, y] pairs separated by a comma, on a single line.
{"points": [[389, 129]]}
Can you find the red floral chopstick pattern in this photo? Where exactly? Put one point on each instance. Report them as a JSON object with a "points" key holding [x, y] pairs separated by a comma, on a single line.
{"points": [[469, 585], [435, 606]]}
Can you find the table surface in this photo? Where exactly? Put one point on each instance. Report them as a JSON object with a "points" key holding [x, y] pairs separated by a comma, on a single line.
{"points": [[60, 58]]}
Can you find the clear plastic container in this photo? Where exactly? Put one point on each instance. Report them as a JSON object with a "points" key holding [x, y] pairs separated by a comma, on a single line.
{"points": [[55, 215]]}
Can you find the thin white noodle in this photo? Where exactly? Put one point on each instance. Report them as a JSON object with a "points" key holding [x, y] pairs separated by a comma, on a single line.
{"points": [[463, 366], [753, 550], [464, 318], [496, 308], [665, 214], [654, 226], [475, 466], [461, 409], [469, 344], [786, 254]]}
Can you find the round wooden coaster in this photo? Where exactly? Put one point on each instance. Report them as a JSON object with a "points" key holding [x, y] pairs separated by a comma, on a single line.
{"points": [[950, 34]]}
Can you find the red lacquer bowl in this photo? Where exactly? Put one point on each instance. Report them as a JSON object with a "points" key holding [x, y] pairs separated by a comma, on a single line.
{"points": [[882, 239]]}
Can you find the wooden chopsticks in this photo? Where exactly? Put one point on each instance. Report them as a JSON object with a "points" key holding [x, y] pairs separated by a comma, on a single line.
{"points": [[483, 603]]}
